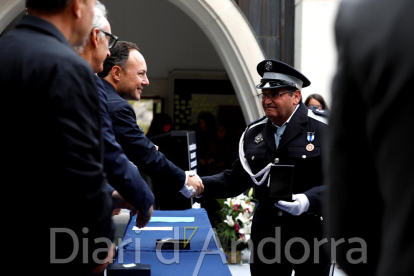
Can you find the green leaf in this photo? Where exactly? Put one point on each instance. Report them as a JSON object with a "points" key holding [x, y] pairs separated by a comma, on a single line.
{"points": [[250, 192]]}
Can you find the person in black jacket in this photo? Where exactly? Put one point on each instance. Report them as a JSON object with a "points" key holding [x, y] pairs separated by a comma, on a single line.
{"points": [[124, 77], [53, 147], [283, 231], [371, 185], [123, 175]]}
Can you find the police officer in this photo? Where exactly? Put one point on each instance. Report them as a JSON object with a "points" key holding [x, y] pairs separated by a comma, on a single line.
{"points": [[283, 231]]}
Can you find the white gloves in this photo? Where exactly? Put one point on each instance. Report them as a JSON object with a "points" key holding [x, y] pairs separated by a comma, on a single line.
{"points": [[188, 191], [297, 207]]}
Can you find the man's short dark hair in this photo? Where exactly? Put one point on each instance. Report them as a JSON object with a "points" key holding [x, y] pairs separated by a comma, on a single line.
{"points": [[119, 56], [47, 6]]}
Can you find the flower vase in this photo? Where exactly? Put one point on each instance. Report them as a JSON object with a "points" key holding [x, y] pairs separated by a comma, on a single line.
{"points": [[233, 257]]}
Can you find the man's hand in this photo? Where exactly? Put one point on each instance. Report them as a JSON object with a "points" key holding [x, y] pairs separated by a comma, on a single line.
{"points": [[194, 185], [100, 268], [116, 211], [119, 202], [142, 219], [297, 207]]}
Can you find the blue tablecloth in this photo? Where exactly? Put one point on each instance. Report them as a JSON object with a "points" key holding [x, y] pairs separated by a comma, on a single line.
{"points": [[203, 257]]}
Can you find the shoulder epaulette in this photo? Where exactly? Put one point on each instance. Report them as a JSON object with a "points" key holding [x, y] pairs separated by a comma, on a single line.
{"points": [[257, 121], [321, 112], [319, 115]]}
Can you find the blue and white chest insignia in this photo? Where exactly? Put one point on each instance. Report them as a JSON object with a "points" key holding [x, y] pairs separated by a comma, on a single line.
{"points": [[310, 137], [258, 138]]}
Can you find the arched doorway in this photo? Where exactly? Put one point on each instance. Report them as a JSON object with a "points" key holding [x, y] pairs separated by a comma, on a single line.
{"points": [[235, 43], [228, 31]]}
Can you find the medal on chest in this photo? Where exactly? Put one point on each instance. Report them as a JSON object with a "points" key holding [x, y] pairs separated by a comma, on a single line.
{"points": [[310, 137]]}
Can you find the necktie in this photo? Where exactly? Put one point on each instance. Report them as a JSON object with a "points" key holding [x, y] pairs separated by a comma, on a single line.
{"points": [[278, 134]]}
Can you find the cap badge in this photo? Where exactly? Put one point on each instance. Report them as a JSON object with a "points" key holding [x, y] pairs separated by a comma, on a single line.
{"points": [[258, 138], [268, 66]]}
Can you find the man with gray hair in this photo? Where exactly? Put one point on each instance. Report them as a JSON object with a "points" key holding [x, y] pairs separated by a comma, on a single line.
{"points": [[121, 173]]}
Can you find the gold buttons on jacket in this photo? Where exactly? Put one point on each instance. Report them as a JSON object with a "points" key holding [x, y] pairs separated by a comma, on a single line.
{"points": [[276, 160], [252, 157]]}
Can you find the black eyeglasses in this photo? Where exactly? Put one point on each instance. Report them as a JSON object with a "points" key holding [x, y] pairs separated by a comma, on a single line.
{"points": [[112, 39], [311, 106], [272, 95]]}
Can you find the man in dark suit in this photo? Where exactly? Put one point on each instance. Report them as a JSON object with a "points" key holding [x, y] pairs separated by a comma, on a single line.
{"points": [[283, 231], [371, 186], [121, 173], [53, 145], [124, 77]]}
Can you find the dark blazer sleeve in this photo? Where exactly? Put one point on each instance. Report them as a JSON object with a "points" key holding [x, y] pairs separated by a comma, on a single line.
{"points": [[351, 209], [121, 173], [110, 190], [78, 120], [141, 151], [229, 183], [315, 196]]}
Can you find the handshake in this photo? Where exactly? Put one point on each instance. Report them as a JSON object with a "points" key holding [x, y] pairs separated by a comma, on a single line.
{"points": [[194, 186]]}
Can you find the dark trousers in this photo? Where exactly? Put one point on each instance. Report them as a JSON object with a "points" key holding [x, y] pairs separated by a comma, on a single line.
{"points": [[285, 243]]}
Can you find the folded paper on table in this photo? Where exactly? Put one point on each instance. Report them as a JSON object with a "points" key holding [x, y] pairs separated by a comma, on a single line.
{"points": [[167, 228], [172, 219]]}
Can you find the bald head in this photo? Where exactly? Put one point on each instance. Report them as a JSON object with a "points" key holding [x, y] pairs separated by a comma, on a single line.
{"points": [[73, 18]]}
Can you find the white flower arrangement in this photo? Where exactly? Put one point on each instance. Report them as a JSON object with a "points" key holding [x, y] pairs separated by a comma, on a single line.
{"points": [[236, 214]]}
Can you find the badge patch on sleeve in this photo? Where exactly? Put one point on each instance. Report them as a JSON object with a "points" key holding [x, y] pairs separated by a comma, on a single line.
{"points": [[258, 138]]}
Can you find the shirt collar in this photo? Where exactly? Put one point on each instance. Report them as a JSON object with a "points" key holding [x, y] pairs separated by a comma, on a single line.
{"points": [[285, 123], [42, 25]]}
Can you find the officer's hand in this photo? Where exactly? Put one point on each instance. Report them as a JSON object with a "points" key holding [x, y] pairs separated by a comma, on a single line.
{"points": [[194, 185], [297, 207], [142, 219]]}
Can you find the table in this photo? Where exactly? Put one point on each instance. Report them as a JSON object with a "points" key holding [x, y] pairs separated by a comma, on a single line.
{"points": [[202, 259]]}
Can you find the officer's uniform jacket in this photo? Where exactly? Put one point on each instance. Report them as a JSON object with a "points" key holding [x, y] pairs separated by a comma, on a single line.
{"points": [[307, 175]]}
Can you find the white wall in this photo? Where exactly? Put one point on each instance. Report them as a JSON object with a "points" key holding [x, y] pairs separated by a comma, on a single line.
{"points": [[315, 52], [9, 10], [196, 35], [170, 39], [167, 37]]}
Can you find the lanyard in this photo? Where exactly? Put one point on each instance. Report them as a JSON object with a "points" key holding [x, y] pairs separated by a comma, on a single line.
{"points": [[263, 173]]}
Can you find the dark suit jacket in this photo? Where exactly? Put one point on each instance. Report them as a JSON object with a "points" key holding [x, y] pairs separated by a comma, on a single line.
{"points": [[121, 173], [53, 147], [371, 185], [307, 175], [139, 149]]}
